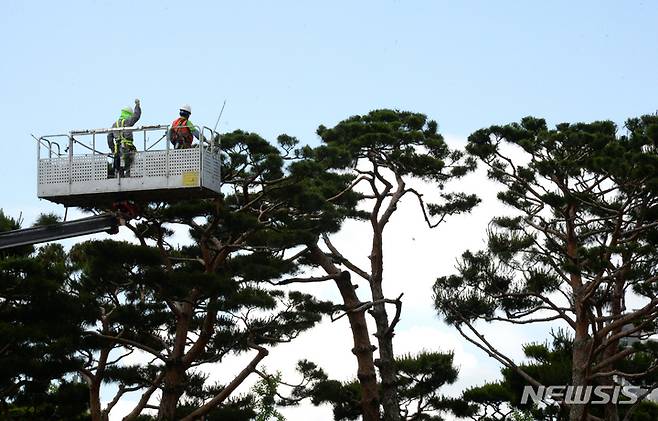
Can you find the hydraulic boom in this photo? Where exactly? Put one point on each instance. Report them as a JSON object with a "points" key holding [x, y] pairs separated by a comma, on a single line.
{"points": [[107, 222]]}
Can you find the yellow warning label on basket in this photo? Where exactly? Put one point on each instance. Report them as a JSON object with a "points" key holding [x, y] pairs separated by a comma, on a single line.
{"points": [[191, 178]]}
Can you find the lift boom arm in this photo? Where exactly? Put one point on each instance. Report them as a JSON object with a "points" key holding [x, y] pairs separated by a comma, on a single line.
{"points": [[107, 222]]}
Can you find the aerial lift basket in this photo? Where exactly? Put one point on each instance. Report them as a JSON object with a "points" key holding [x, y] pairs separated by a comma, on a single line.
{"points": [[72, 172]]}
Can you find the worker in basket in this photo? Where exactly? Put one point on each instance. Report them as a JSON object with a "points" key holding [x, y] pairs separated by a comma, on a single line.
{"points": [[121, 143], [182, 130]]}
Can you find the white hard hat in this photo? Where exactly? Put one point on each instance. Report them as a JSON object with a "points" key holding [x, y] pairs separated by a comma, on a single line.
{"points": [[186, 107]]}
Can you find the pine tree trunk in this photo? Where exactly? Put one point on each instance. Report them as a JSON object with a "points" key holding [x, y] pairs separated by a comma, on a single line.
{"points": [[582, 340], [172, 390], [616, 308], [175, 370], [363, 349], [95, 401], [386, 361], [95, 409], [581, 347]]}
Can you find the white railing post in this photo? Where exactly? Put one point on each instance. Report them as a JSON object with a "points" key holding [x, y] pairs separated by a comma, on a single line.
{"points": [[167, 157], [201, 147], [144, 157], [70, 160]]}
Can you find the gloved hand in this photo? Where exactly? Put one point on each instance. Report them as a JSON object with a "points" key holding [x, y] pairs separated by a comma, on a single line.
{"points": [[137, 101]]}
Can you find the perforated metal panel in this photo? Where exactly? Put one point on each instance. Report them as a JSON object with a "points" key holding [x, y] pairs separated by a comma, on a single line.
{"points": [[89, 168], [137, 166], [183, 161], [53, 171], [171, 174], [211, 171], [83, 168], [156, 163]]}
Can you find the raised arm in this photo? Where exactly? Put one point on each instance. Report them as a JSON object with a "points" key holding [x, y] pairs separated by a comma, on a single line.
{"points": [[136, 115]]}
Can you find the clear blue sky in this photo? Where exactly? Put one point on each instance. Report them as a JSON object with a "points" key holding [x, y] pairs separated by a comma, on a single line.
{"points": [[288, 66]]}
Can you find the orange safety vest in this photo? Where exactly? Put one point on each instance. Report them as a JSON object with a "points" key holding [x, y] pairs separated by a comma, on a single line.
{"points": [[181, 133]]}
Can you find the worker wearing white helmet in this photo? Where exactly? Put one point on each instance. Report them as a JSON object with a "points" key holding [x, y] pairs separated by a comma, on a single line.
{"points": [[182, 130]]}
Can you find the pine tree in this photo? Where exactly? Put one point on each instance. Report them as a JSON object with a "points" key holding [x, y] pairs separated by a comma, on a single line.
{"points": [[550, 364], [188, 307], [381, 153], [420, 378], [579, 242], [39, 326]]}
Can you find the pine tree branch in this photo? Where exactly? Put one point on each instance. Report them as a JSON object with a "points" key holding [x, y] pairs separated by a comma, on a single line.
{"points": [[514, 175], [204, 337], [396, 318], [348, 188], [304, 280], [624, 374], [551, 306], [251, 202], [423, 207], [122, 391], [351, 266], [129, 342], [120, 358], [12, 388], [489, 349], [640, 399], [524, 321], [88, 356], [296, 255], [143, 401], [287, 399], [368, 305], [172, 306], [226, 392], [87, 374], [549, 256], [137, 234], [393, 202], [204, 234], [374, 215], [545, 229], [614, 358], [621, 333], [632, 233], [188, 259], [592, 286], [649, 309]]}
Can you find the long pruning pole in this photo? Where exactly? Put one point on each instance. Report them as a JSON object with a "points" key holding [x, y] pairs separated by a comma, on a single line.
{"points": [[219, 117]]}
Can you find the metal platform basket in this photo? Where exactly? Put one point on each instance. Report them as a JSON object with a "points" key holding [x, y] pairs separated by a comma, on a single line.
{"points": [[82, 176]]}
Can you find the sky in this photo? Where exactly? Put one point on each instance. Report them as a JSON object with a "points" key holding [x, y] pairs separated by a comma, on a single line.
{"points": [[287, 67]]}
